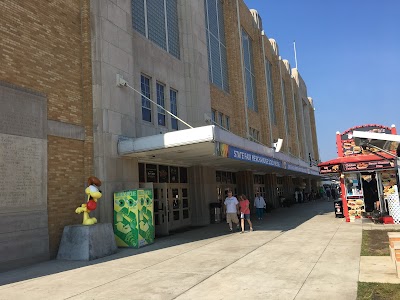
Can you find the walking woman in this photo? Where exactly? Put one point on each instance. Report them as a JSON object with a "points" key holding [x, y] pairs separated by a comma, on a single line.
{"points": [[245, 212]]}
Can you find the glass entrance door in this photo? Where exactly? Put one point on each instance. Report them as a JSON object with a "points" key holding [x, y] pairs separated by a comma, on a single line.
{"points": [[161, 210], [179, 206]]}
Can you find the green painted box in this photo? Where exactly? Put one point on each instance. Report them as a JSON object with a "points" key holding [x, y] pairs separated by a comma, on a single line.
{"points": [[133, 218]]}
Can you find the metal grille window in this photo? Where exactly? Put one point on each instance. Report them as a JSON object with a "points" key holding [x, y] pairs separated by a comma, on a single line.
{"points": [[146, 104], [138, 16], [215, 31], [158, 21], [250, 77], [173, 27], [160, 101], [270, 91], [174, 108]]}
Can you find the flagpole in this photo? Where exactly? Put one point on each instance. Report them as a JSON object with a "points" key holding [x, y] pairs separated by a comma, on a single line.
{"points": [[295, 54]]}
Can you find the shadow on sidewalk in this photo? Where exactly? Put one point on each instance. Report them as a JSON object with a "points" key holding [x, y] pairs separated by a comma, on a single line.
{"points": [[281, 219]]}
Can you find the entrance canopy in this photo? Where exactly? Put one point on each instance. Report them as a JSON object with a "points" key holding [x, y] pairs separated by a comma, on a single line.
{"points": [[356, 159], [213, 146]]}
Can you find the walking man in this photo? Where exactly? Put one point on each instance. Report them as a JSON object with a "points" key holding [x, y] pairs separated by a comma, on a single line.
{"points": [[259, 204], [231, 210]]}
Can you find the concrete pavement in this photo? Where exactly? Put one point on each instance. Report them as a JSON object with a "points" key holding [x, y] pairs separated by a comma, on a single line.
{"points": [[301, 252]]}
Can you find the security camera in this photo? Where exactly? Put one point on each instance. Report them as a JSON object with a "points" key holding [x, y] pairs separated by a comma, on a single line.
{"points": [[278, 145]]}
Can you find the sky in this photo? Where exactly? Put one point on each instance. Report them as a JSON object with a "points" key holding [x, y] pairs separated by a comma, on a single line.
{"points": [[348, 53]]}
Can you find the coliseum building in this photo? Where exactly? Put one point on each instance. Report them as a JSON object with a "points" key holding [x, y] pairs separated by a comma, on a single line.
{"points": [[79, 84]]}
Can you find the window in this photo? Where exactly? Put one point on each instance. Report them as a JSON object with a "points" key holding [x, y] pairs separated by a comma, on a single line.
{"points": [[174, 108], [225, 177], [146, 104], [157, 20], [214, 116], [215, 32], [227, 123], [221, 119], [285, 107], [254, 134], [250, 78], [161, 102], [270, 91]]}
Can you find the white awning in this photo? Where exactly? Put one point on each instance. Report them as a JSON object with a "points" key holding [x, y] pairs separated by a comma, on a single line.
{"points": [[206, 145]]}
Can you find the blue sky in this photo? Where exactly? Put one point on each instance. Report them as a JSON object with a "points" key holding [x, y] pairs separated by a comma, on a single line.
{"points": [[348, 54]]}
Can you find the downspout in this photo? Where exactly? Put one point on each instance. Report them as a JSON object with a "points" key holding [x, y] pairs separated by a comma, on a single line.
{"points": [[266, 83], [242, 64], [284, 104]]}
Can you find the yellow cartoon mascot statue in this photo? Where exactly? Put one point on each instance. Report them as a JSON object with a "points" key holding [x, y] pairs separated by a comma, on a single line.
{"points": [[93, 194]]}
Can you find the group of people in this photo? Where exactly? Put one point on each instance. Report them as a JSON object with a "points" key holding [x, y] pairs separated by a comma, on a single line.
{"points": [[233, 208]]}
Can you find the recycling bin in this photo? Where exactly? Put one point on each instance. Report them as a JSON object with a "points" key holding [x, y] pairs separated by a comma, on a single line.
{"points": [[134, 218], [215, 212], [338, 205]]}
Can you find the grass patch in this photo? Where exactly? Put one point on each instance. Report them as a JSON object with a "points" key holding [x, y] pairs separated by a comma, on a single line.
{"points": [[375, 243], [378, 291]]}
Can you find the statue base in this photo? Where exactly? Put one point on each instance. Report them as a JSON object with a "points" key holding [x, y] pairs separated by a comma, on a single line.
{"points": [[81, 242]]}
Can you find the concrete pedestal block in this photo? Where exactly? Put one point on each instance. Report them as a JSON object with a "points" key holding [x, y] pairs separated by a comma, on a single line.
{"points": [[80, 242]]}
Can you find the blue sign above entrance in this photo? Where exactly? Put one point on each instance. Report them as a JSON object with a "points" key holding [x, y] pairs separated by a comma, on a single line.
{"points": [[228, 151]]}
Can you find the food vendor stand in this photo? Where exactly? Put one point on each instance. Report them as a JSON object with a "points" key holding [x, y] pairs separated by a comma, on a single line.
{"points": [[368, 174]]}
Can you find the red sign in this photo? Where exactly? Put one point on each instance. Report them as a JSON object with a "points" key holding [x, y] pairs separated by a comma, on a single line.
{"points": [[347, 144], [369, 165]]}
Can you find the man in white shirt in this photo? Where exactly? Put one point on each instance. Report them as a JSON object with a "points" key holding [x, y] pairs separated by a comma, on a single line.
{"points": [[259, 204], [231, 210]]}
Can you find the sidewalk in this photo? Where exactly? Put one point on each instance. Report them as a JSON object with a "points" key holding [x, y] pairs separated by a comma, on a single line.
{"points": [[301, 252]]}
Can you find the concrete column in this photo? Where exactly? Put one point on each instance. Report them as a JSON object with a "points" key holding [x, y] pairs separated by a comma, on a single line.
{"points": [[288, 187], [270, 186], [245, 184], [202, 192]]}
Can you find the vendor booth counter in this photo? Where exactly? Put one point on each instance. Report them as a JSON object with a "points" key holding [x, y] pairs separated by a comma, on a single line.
{"points": [[368, 176]]}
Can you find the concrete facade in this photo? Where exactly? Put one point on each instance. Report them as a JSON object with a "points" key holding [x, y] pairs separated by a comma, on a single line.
{"points": [[118, 49]]}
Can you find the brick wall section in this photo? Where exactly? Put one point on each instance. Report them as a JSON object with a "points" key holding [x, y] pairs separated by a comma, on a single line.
{"points": [[232, 103], [45, 46], [291, 119], [65, 187], [277, 132]]}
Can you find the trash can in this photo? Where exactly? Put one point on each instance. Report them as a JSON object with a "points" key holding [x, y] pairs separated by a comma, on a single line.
{"points": [[215, 212], [338, 204]]}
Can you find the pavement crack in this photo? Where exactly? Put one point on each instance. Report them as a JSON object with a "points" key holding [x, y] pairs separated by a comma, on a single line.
{"points": [[244, 255], [308, 275]]}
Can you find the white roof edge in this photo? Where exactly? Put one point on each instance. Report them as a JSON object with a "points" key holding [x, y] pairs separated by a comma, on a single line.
{"points": [[166, 140], [210, 133], [377, 136]]}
